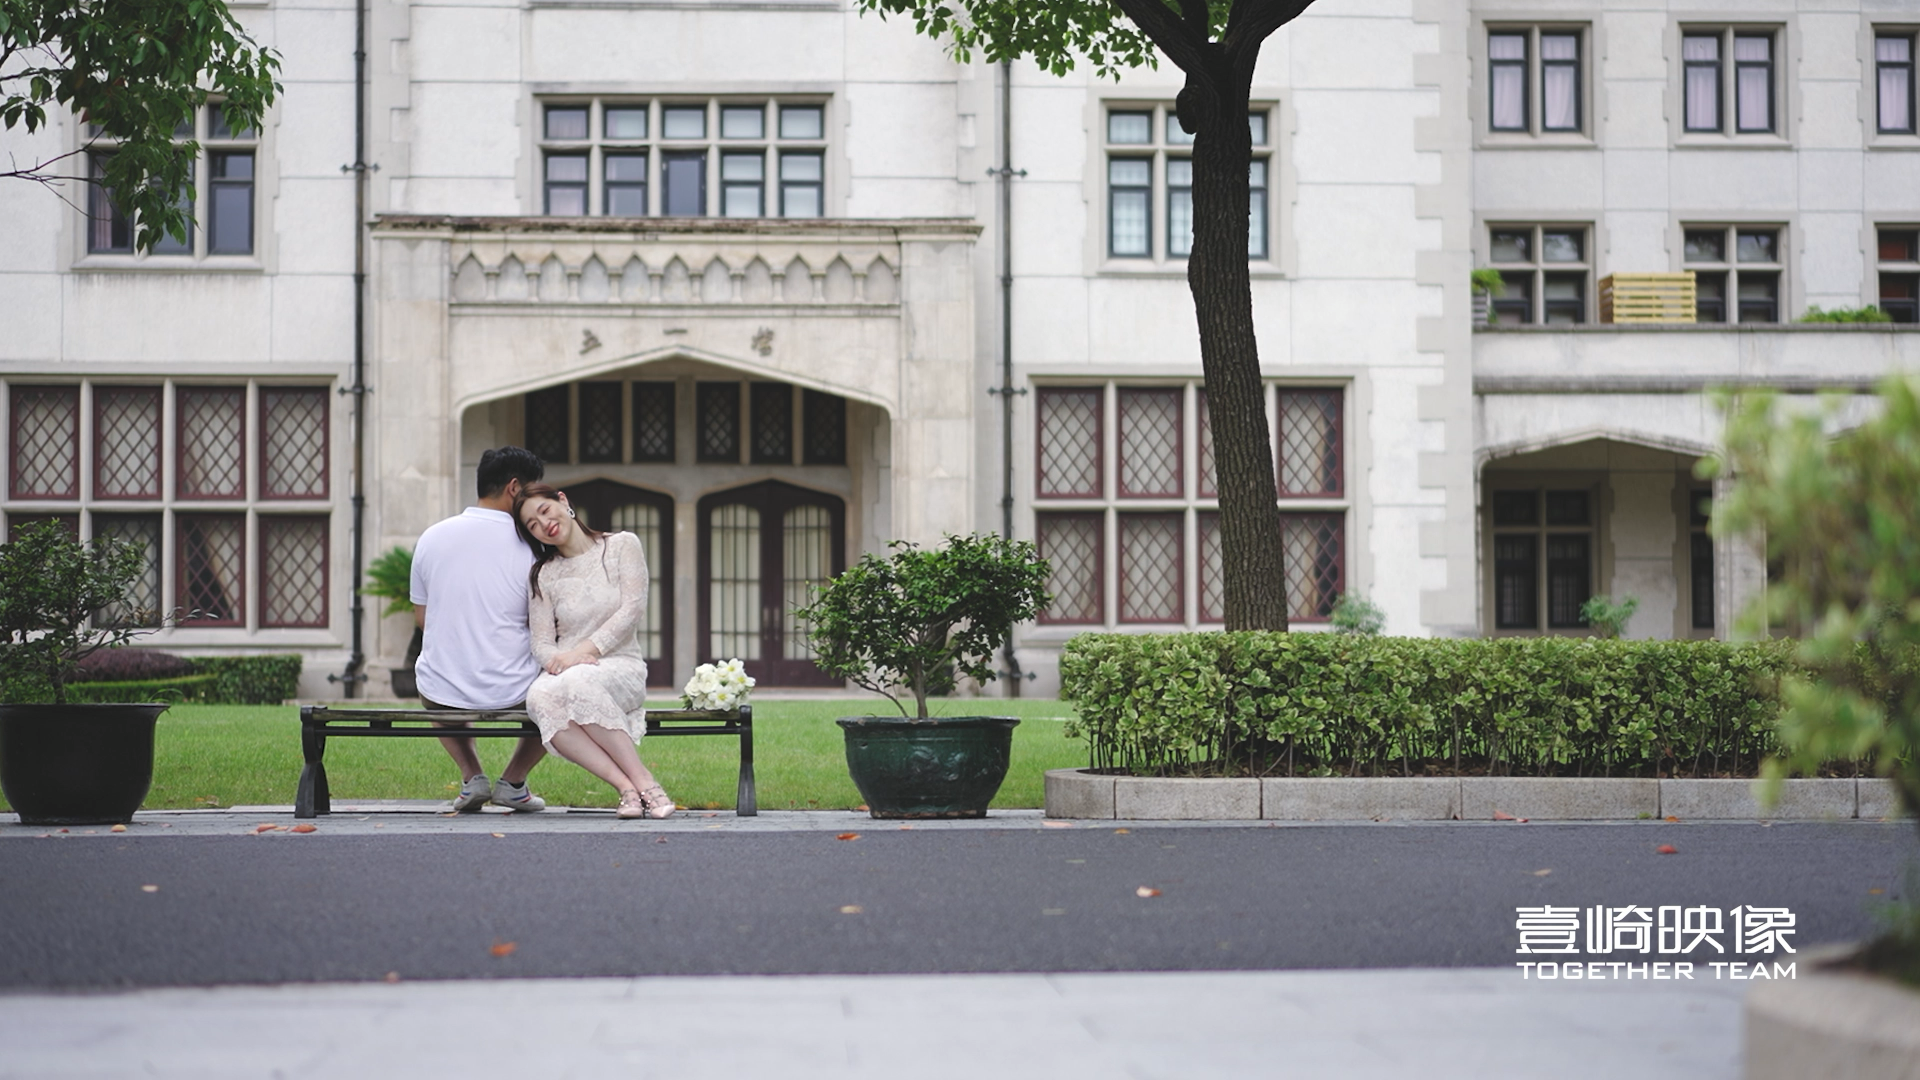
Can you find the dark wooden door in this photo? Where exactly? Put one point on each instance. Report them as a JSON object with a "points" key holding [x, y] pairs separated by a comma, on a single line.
{"points": [[762, 549]]}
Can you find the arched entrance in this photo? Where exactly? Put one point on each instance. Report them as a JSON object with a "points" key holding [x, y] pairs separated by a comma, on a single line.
{"points": [[615, 507], [762, 548]]}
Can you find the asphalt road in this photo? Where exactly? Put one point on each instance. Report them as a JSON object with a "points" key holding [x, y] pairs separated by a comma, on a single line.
{"points": [[76, 912]]}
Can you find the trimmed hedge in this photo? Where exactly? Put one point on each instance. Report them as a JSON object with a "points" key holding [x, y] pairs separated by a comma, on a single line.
{"points": [[185, 689], [1341, 704]]}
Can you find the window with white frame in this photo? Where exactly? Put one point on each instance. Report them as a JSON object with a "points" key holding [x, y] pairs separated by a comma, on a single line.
{"points": [[1727, 80], [1150, 184], [227, 486], [1899, 254], [1127, 506], [1736, 272], [1545, 270], [219, 194], [761, 157], [1535, 80]]}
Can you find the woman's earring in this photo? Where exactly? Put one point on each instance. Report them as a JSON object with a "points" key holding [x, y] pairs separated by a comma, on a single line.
{"points": [[570, 512]]}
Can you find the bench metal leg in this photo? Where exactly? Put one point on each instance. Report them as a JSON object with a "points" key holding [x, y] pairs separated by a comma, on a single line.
{"points": [[746, 800], [312, 797]]}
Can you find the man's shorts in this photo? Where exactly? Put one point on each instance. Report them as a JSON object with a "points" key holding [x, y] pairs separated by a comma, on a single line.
{"points": [[433, 705]]}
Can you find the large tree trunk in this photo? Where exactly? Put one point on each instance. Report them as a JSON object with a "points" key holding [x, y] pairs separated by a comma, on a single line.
{"points": [[1252, 551]]}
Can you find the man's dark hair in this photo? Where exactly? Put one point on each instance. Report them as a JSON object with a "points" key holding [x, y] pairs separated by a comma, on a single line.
{"points": [[504, 464]]}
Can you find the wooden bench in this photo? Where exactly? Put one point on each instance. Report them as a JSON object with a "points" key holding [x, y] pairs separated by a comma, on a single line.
{"points": [[318, 723]]}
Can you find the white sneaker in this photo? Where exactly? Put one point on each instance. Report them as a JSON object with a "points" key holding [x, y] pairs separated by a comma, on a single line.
{"points": [[517, 798], [474, 793]]}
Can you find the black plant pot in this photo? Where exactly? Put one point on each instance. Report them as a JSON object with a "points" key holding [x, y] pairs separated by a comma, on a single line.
{"points": [[939, 767], [76, 764]]}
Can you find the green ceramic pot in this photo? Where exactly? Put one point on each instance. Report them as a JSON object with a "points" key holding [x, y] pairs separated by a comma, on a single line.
{"points": [[939, 767], [76, 764]]}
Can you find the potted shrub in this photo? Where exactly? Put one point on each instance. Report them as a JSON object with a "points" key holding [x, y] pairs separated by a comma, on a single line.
{"points": [[390, 578], [1839, 518], [916, 620], [63, 763]]}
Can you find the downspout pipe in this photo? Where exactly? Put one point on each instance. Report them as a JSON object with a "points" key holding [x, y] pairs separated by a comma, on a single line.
{"points": [[1005, 173], [355, 674]]}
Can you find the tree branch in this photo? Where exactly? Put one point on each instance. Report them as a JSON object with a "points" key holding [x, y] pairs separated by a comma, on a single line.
{"points": [[1252, 22], [1188, 51], [1199, 19]]}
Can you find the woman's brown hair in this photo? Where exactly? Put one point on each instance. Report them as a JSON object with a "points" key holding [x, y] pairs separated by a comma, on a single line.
{"points": [[544, 553]]}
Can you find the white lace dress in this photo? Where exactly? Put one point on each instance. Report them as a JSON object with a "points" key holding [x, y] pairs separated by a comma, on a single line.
{"points": [[599, 596]]}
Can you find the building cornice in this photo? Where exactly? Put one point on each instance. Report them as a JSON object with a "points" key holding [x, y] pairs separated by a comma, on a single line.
{"points": [[650, 228]]}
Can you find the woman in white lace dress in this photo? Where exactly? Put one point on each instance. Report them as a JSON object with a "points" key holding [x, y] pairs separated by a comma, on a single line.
{"points": [[587, 595]]}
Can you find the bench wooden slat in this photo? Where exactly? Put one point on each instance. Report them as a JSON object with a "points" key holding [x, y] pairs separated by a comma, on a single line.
{"points": [[320, 722]]}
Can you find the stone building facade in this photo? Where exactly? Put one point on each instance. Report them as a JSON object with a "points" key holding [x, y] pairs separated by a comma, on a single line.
{"points": [[740, 272]]}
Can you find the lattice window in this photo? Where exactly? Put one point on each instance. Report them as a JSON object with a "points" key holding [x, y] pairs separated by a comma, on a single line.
{"points": [[734, 582], [46, 442], [824, 417], [717, 416], [126, 439], [548, 430], [1315, 547], [1150, 437], [293, 571], [772, 423], [653, 421], [1209, 471], [1071, 543], [142, 604], [600, 421], [210, 572], [1213, 582], [293, 442], [1069, 442], [212, 423], [1310, 443], [808, 559], [1152, 561]]}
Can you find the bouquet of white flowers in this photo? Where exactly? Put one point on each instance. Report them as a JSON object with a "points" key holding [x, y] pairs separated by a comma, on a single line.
{"points": [[719, 686]]}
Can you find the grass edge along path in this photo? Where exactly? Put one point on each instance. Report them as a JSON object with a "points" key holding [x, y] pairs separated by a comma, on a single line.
{"points": [[208, 756]]}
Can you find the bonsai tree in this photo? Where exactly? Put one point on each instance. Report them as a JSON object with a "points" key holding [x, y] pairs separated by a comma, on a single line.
{"points": [[51, 588], [918, 618]]}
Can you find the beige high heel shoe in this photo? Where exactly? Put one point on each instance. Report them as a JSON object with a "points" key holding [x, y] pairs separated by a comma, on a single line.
{"points": [[632, 805], [658, 805]]}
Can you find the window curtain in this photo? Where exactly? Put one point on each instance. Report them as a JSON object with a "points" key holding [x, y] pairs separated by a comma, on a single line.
{"points": [[1508, 53], [1701, 56], [1895, 56], [734, 598], [1560, 82]]}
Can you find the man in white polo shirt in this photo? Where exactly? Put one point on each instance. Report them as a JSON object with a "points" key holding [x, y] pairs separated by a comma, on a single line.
{"points": [[470, 596]]}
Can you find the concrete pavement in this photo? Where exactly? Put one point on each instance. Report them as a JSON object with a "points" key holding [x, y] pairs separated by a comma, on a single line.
{"points": [[1437, 1025]]}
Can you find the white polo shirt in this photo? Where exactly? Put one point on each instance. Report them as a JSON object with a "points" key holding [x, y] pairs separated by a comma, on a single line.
{"points": [[470, 573]]}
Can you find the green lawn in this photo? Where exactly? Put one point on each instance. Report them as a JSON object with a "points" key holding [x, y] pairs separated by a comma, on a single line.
{"points": [[227, 755]]}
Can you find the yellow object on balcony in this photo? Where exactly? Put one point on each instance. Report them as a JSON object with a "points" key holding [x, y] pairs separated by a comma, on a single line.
{"points": [[1647, 298]]}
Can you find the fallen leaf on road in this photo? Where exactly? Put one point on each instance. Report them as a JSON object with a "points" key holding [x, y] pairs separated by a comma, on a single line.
{"points": [[862, 808], [1121, 832], [1667, 849], [1672, 818], [118, 828], [392, 976], [66, 830], [503, 948], [149, 888], [1541, 873], [848, 836], [1502, 815], [1875, 891], [499, 836], [305, 828], [659, 839], [850, 909], [1057, 824], [1146, 891]]}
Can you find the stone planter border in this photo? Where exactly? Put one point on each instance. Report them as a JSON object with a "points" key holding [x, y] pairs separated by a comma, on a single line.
{"points": [[1077, 793]]}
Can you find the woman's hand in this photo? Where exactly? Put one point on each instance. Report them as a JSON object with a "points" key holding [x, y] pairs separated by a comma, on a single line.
{"points": [[585, 654]]}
